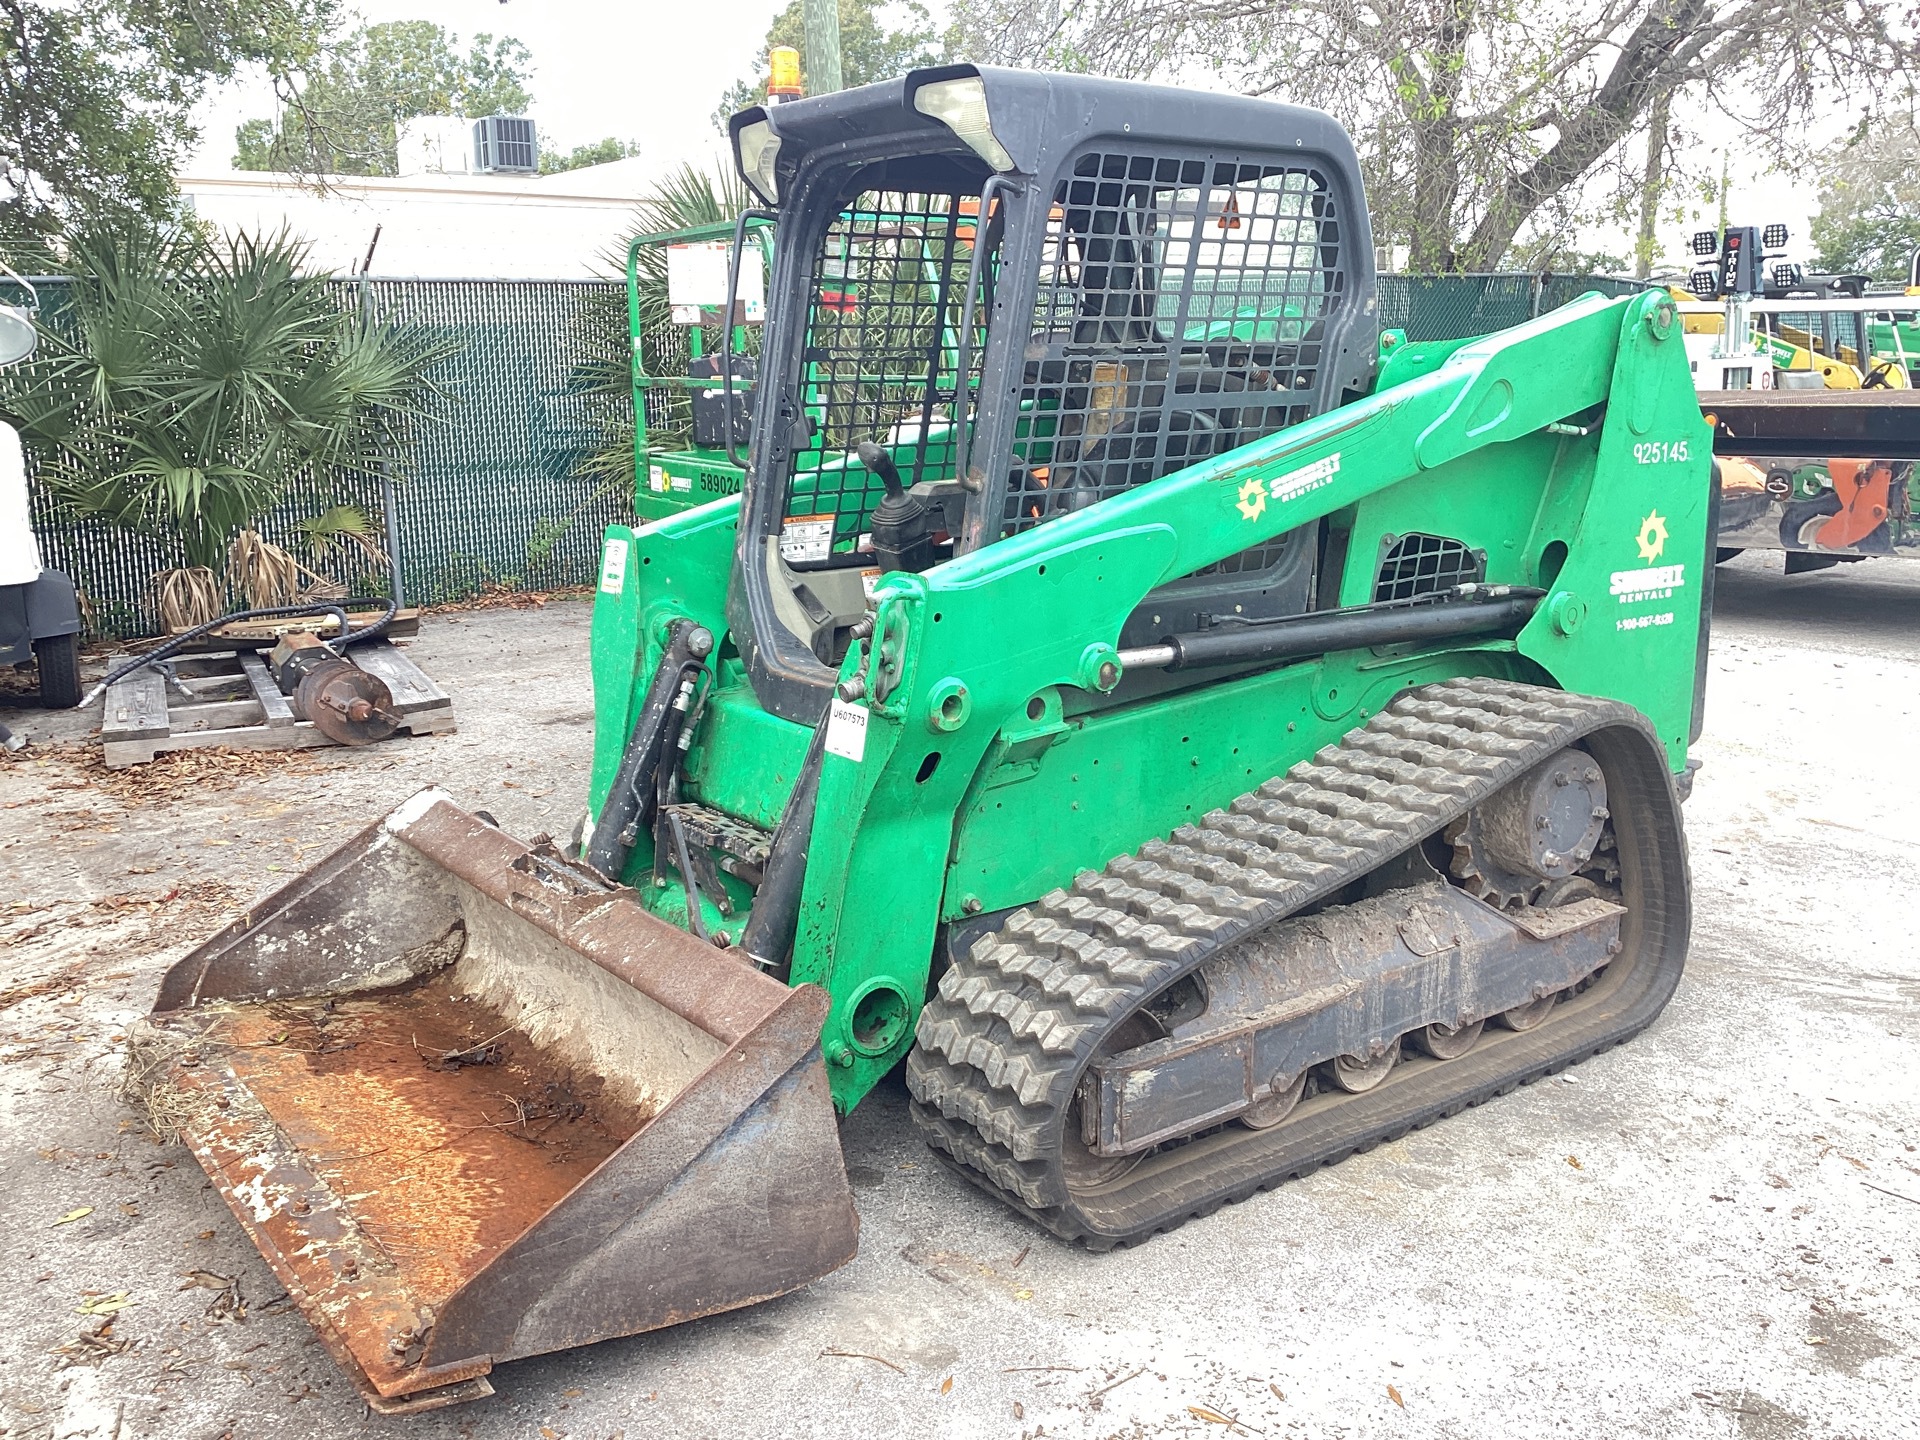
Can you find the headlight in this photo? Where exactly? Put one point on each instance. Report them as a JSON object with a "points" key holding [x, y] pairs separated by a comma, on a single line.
{"points": [[961, 106], [756, 148]]}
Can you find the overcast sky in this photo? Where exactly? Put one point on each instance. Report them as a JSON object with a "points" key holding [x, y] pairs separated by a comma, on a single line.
{"points": [[646, 70], [654, 70]]}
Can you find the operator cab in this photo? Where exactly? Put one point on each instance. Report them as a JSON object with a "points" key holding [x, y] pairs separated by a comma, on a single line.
{"points": [[1003, 296]]}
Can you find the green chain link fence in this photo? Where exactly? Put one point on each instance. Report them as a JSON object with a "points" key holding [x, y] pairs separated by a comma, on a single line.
{"points": [[485, 497], [1449, 307], [488, 495]]}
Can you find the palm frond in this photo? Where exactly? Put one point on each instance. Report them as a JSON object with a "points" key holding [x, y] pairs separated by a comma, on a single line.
{"points": [[204, 379]]}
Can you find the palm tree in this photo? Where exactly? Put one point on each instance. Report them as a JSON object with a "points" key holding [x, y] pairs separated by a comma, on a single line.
{"points": [[196, 382]]}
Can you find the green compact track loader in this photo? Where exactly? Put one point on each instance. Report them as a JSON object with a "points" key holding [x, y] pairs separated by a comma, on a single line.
{"points": [[1198, 734]]}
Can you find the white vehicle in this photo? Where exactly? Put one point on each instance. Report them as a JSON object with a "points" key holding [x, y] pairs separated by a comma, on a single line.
{"points": [[39, 613]]}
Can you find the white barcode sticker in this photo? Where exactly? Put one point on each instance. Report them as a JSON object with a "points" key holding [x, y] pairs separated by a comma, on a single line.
{"points": [[656, 479], [847, 731], [613, 566], [806, 537]]}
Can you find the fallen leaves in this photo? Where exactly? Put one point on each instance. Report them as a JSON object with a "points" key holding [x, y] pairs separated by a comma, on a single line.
{"points": [[227, 1304], [1574, 1161], [104, 1304], [946, 1386], [73, 1215], [172, 774], [1394, 1396], [90, 1347], [494, 597], [56, 984], [183, 909]]}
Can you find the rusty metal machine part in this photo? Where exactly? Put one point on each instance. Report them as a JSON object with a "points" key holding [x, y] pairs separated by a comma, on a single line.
{"points": [[344, 702], [1542, 828], [472, 1103]]}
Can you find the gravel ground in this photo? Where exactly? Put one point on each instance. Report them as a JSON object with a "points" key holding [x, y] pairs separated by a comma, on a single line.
{"points": [[1709, 1232]]}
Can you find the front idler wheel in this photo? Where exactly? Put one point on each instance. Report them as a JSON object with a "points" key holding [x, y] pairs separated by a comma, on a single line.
{"points": [[1084, 1168]]}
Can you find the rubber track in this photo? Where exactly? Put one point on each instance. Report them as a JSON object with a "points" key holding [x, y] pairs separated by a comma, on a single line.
{"points": [[1002, 1044]]}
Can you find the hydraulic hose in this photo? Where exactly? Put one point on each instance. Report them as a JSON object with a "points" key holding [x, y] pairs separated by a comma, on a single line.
{"points": [[768, 937]]}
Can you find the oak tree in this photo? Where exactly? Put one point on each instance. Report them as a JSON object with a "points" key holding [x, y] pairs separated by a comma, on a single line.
{"points": [[1488, 128], [1869, 187], [97, 96]]}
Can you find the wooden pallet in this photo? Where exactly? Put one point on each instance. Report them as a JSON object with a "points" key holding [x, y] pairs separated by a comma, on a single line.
{"points": [[232, 700]]}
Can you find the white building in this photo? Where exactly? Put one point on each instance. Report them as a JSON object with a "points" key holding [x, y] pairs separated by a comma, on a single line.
{"points": [[442, 217]]}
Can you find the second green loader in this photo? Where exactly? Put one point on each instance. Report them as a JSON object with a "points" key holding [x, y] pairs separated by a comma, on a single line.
{"points": [[1195, 734]]}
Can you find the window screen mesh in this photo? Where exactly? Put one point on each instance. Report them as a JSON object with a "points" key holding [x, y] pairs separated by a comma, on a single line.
{"points": [[883, 347], [1424, 565], [1181, 312]]}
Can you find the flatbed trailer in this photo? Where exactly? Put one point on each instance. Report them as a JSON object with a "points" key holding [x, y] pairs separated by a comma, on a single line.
{"points": [[1785, 485]]}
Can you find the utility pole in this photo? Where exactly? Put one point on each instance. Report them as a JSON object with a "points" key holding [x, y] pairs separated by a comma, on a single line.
{"points": [[820, 29]]}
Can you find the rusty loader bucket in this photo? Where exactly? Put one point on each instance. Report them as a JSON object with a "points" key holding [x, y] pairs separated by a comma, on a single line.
{"points": [[474, 1104]]}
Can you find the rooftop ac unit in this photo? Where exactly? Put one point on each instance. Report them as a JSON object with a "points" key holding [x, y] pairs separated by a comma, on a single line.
{"points": [[505, 144]]}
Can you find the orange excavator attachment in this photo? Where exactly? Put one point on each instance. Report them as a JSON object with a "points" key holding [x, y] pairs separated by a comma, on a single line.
{"points": [[473, 1103], [1863, 487]]}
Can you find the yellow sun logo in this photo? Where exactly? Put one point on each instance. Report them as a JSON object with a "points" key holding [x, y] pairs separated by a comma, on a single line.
{"points": [[1653, 536], [1253, 499]]}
